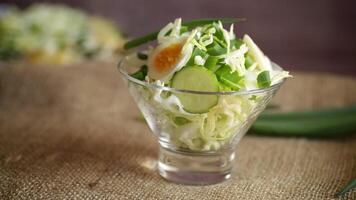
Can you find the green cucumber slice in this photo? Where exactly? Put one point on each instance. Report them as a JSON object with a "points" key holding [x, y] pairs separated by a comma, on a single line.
{"points": [[196, 78]]}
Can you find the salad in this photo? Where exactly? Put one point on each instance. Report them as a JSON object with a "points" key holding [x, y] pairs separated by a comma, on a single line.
{"points": [[45, 33], [200, 56]]}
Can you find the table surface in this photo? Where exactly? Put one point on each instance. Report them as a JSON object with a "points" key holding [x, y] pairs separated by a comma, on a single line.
{"points": [[74, 133]]}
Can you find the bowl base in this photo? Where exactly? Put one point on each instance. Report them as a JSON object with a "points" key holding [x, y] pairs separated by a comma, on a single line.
{"points": [[194, 168]]}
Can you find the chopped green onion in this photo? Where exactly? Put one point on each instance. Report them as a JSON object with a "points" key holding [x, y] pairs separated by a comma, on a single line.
{"points": [[263, 79], [248, 61], [141, 73], [142, 56], [215, 49], [197, 44], [253, 98], [209, 29], [236, 43], [211, 62], [219, 35], [181, 121], [223, 70], [230, 79], [192, 24], [221, 42], [183, 29], [223, 87], [196, 52], [206, 39]]}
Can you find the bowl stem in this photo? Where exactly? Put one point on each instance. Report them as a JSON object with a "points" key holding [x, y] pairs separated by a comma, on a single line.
{"points": [[194, 168]]}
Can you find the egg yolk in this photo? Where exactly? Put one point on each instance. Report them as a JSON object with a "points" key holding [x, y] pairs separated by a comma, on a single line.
{"points": [[168, 57]]}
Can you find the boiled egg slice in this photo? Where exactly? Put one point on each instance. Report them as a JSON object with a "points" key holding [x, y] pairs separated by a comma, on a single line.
{"points": [[168, 58]]}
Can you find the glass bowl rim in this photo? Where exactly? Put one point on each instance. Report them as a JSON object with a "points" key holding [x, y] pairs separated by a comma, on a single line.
{"points": [[273, 87]]}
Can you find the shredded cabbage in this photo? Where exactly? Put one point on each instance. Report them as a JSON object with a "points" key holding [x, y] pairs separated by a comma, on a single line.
{"points": [[199, 132]]}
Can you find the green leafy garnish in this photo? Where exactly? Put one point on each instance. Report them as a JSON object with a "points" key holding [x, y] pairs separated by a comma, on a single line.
{"points": [[189, 25], [140, 74]]}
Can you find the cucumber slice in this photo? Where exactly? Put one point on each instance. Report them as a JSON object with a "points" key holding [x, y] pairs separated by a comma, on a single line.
{"points": [[198, 79]]}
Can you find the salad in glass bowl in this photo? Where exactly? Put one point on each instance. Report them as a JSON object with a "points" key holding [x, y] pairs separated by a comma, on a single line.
{"points": [[199, 87], [56, 34]]}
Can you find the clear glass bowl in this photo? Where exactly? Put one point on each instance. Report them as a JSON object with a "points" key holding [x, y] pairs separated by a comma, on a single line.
{"points": [[197, 149]]}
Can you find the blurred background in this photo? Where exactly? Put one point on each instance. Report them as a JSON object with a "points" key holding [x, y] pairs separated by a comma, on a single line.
{"points": [[314, 35]]}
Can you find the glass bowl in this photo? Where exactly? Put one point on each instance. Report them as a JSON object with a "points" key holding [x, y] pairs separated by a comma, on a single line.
{"points": [[197, 149]]}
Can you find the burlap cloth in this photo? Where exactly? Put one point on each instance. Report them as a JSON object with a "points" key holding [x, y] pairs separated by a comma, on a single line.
{"points": [[73, 133]]}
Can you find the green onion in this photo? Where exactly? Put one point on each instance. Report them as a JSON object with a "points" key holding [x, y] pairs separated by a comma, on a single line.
{"points": [[142, 56], [351, 185], [198, 45], [196, 52], [263, 79], [248, 61], [183, 29], [324, 123], [181, 121], [140, 74], [236, 43], [331, 112], [225, 69], [201, 22], [220, 42], [215, 49], [211, 62], [223, 87], [192, 24], [219, 35], [230, 79]]}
